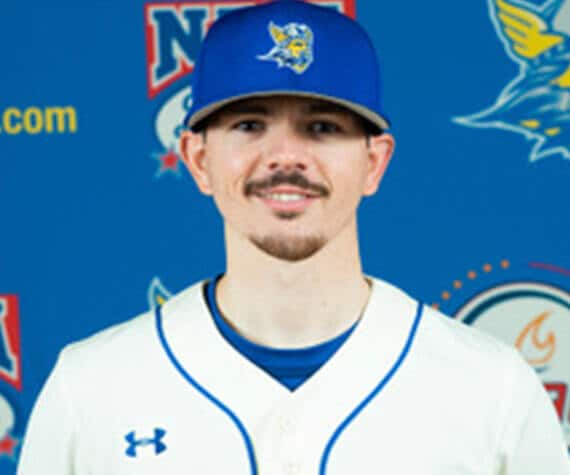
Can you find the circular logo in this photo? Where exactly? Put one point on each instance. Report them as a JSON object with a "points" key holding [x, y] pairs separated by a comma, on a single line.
{"points": [[535, 318]]}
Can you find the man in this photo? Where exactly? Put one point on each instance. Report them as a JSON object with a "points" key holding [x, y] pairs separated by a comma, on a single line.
{"points": [[292, 361]]}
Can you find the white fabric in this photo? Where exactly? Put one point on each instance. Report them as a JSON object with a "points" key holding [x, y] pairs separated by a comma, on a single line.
{"points": [[460, 403]]}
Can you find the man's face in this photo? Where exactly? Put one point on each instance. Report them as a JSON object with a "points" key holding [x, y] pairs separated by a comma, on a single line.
{"points": [[287, 173]]}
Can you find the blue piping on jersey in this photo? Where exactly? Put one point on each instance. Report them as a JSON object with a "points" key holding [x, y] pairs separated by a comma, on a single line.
{"points": [[206, 393], [372, 395]]}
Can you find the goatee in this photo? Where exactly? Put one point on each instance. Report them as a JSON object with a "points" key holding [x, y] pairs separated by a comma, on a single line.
{"points": [[287, 249]]}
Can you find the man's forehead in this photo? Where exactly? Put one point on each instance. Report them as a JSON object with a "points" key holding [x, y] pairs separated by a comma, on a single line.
{"points": [[277, 104]]}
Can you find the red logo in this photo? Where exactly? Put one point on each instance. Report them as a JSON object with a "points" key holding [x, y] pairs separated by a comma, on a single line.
{"points": [[10, 353]]}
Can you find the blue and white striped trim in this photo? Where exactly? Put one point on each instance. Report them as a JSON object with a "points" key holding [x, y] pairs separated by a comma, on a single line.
{"points": [[235, 419], [373, 394], [237, 422]]}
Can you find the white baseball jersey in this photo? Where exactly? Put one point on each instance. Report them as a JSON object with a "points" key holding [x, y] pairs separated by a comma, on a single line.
{"points": [[409, 392]]}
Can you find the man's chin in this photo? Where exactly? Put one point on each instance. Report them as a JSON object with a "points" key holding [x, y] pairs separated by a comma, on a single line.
{"points": [[289, 249]]}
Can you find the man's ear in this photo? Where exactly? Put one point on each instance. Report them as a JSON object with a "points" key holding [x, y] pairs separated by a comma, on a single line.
{"points": [[193, 152], [380, 151]]}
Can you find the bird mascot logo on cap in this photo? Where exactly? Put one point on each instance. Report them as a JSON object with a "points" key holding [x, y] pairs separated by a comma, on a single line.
{"points": [[537, 102], [293, 46]]}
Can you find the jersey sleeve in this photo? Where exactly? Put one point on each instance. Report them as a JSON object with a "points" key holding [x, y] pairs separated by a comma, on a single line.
{"points": [[533, 440], [48, 443]]}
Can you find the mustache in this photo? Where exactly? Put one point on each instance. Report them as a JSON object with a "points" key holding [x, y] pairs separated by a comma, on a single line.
{"points": [[281, 178]]}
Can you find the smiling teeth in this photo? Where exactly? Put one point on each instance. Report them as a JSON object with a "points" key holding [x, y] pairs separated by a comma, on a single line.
{"points": [[286, 196]]}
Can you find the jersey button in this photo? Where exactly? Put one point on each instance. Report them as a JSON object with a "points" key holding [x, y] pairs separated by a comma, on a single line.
{"points": [[293, 468]]}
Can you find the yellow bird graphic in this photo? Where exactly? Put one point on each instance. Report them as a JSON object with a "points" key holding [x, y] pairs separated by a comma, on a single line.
{"points": [[531, 37], [536, 103], [292, 48]]}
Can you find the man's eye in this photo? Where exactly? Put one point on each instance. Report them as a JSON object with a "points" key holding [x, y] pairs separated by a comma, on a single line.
{"points": [[322, 127], [249, 126]]}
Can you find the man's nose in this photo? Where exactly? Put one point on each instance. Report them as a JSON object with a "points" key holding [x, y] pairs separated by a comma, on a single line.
{"points": [[288, 151]]}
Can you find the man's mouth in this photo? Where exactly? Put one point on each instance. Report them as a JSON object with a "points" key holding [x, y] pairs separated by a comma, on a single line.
{"points": [[285, 185], [286, 194], [286, 200]]}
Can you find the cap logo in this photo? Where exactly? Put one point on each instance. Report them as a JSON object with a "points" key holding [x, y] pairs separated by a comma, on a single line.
{"points": [[293, 46]]}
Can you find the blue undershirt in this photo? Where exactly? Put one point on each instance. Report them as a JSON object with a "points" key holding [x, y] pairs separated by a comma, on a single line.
{"points": [[291, 367]]}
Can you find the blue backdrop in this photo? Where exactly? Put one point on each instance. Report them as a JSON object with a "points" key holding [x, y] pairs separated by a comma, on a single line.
{"points": [[98, 219]]}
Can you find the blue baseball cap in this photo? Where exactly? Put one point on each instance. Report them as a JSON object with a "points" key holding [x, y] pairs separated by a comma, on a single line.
{"points": [[291, 48]]}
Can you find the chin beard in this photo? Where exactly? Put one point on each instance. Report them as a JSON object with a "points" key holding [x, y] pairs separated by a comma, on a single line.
{"points": [[292, 250]]}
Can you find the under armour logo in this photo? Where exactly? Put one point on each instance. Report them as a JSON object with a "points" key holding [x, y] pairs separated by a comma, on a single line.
{"points": [[134, 443]]}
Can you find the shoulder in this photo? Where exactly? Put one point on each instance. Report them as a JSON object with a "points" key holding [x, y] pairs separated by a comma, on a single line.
{"points": [[448, 344], [469, 346], [110, 343], [470, 366], [460, 337], [126, 345]]}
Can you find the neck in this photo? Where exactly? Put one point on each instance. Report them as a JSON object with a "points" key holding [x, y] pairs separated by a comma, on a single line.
{"points": [[293, 304]]}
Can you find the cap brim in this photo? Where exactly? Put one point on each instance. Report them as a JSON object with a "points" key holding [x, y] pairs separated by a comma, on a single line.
{"points": [[375, 119]]}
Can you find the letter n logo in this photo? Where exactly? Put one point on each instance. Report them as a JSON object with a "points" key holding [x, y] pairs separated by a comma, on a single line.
{"points": [[174, 32], [10, 355]]}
